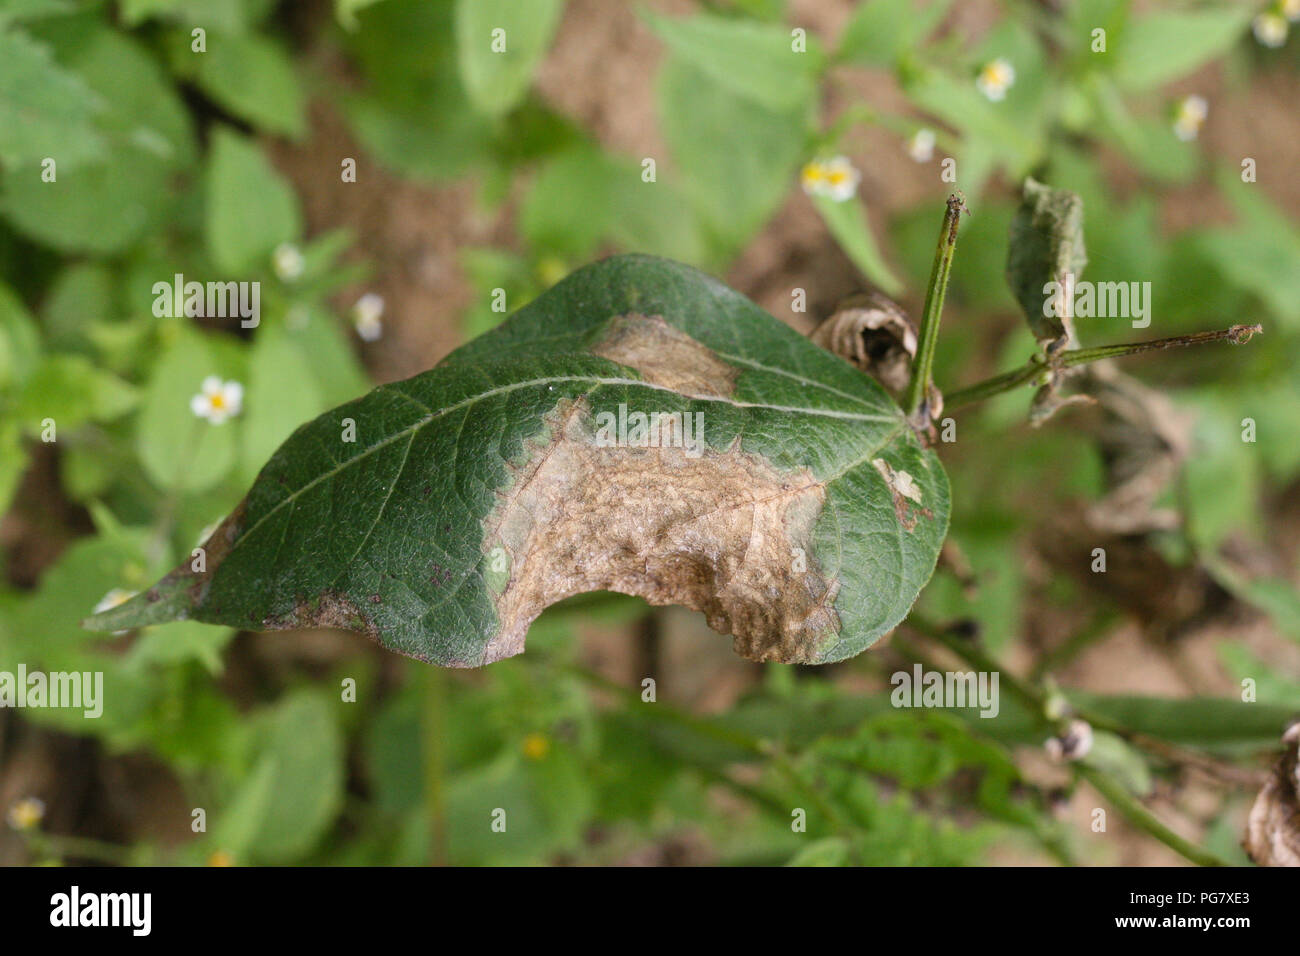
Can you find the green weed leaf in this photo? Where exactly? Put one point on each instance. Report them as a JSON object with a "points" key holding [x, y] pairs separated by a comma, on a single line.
{"points": [[251, 210], [62, 126], [253, 78], [1166, 45], [752, 60], [499, 44]]}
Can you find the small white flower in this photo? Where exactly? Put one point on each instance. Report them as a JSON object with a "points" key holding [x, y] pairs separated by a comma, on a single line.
{"points": [[1189, 116], [841, 179], [287, 261], [26, 813], [1289, 9], [218, 400], [835, 178], [812, 178], [366, 316], [1270, 29], [921, 146], [995, 78]]}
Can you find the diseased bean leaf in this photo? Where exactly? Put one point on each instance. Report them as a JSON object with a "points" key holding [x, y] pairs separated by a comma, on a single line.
{"points": [[639, 428]]}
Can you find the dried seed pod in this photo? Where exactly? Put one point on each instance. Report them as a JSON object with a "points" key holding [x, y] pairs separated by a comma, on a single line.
{"points": [[874, 334], [1273, 827]]}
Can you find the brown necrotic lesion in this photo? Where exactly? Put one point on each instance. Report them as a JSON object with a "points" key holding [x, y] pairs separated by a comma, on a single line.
{"points": [[665, 355], [721, 531]]}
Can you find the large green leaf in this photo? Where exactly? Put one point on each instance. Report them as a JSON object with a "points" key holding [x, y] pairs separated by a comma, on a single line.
{"points": [[796, 509]]}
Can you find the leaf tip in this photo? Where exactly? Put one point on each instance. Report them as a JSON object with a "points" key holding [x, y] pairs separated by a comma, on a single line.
{"points": [[165, 601]]}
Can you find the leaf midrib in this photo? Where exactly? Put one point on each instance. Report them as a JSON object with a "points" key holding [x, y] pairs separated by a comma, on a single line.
{"points": [[597, 380], [729, 356]]}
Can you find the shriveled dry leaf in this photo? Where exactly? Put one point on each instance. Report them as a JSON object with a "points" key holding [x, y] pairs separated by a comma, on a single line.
{"points": [[1051, 398], [1144, 439], [1046, 245]]}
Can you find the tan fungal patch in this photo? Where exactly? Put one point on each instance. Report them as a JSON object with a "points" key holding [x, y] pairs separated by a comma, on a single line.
{"points": [[905, 492], [665, 355], [724, 533]]}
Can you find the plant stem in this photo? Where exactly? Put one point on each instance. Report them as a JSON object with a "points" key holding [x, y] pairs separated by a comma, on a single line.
{"points": [[1237, 335], [1067, 650], [1137, 814], [1045, 833], [1006, 381], [995, 385], [918, 389], [1035, 699]]}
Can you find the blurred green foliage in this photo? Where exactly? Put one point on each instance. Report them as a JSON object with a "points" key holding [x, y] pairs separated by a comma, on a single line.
{"points": [[162, 168]]}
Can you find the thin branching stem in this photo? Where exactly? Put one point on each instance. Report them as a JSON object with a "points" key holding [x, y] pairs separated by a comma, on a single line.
{"points": [[1237, 335], [1137, 814], [1036, 701], [1037, 365]]}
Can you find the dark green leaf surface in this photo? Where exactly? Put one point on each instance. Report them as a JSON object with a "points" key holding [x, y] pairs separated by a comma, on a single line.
{"points": [[805, 522]]}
